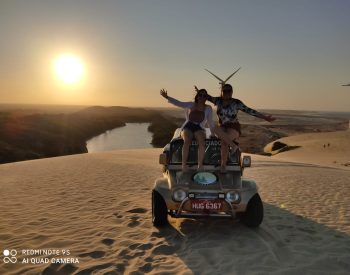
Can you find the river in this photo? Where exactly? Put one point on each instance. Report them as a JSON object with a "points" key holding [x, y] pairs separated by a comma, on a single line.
{"points": [[131, 136]]}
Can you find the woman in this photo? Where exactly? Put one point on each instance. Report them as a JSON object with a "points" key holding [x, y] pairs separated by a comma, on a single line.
{"points": [[197, 115], [227, 109]]}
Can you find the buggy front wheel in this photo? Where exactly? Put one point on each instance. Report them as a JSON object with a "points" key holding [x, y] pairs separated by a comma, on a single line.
{"points": [[254, 213], [159, 210]]}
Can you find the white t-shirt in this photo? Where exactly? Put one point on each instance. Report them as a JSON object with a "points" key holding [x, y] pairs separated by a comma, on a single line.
{"points": [[187, 106]]}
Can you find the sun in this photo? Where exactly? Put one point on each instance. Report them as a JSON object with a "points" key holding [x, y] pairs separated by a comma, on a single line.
{"points": [[69, 68]]}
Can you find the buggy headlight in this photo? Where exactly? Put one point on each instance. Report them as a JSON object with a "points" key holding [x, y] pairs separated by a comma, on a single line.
{"points": [[233, 196], [179, 195]]}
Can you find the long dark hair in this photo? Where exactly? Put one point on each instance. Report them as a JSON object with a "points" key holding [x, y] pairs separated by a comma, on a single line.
{"points": [[227, 86], [200, 91]]}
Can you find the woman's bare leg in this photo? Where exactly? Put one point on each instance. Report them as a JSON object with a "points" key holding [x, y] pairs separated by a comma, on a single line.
{"points": [[233, 135], [200, 137], [187, 137], [224, 136], [224, 153]]}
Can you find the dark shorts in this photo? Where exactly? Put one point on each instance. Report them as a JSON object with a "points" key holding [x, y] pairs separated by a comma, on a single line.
{"points": [[193, 127], [232, 125]]}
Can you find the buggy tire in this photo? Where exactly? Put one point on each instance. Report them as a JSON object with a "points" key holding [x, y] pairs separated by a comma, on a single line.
{"points": [[254, 214], [159, 210]]}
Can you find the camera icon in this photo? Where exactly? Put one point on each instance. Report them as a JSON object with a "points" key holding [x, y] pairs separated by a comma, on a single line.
{"points": [[10, 256]]}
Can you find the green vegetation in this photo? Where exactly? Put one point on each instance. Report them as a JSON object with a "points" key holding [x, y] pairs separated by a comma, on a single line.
{"points": [[163, 129], [42, 135], [29, 133]]}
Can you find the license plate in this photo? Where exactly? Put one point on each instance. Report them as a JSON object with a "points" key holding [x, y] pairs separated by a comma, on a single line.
{"points": [[206, 204]]}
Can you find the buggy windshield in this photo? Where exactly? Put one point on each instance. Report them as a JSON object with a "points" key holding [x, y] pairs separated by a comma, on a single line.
{"points": [[212, 154]]}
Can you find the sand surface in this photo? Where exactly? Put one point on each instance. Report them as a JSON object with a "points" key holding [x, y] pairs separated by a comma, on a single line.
{"points": [[99, 207], [327, 149]]}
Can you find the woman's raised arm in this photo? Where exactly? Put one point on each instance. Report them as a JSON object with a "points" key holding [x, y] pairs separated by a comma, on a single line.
{"points": [[255, 113], [174, 101]]}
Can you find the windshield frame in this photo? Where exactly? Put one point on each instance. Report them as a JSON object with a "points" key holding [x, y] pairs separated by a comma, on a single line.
{"points": [[212, 152]]}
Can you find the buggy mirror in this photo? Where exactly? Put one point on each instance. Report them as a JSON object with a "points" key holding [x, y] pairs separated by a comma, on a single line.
{"points": [[163, 159], [247, 161]]}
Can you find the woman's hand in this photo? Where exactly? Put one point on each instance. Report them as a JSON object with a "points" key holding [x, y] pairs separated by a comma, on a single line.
{"points": [[270, 118], [164, 93]]}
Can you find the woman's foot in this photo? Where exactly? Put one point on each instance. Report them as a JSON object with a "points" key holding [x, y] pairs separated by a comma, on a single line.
{"points": [[200, 168], [184, 168]]}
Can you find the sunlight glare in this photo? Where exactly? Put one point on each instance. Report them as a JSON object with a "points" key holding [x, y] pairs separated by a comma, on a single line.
{"points": [[69, 68]]}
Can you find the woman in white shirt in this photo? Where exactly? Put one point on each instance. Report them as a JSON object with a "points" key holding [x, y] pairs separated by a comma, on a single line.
{"points": [[198, 114]]}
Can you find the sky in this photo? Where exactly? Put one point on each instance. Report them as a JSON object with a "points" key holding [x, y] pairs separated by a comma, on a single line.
{"points": [[294, 54]]}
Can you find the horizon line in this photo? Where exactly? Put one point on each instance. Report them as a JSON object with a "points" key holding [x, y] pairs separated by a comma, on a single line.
{"points": [[155, 107]]}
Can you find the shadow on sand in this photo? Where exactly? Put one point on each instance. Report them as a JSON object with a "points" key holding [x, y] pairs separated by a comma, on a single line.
{"points": [[285, 243]]}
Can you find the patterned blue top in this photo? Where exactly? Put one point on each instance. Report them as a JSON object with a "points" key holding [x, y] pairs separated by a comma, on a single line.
{"points": [[228, 113]]}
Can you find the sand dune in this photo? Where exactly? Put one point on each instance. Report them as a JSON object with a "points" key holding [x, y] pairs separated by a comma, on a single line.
{"points": [[328, 149], [98, 206]]}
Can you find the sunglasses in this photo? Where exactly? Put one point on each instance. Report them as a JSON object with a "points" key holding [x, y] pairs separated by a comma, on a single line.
{"points": [[202, 95], [227, 91]]}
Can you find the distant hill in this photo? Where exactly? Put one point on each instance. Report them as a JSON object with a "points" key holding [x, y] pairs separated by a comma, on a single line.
{"points": [[40, 135], [49, 131]]}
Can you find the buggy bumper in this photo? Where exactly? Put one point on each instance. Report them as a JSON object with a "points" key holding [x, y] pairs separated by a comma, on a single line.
{"points": [[184, 211]]}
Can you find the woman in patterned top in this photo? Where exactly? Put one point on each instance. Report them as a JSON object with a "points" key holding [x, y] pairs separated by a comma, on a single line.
{"points": [[227, 109]]}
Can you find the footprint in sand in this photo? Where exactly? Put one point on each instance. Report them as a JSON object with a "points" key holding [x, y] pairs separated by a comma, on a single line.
{"points": [[146, 268], [123, 253], [125, 203], [120, 268], [133, 223], [156, 235], [128, 255], [68, 269], [51, 269], [93, 269], [133, 246], [141, 246], [59, 269], [145, 246], [149, 260], [93, 254], [138, 210], [164, 249], [107, 241], [117, 215]]}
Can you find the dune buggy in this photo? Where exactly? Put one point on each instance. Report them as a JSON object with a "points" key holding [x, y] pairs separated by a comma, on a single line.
{"points": [[207, 193]]}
